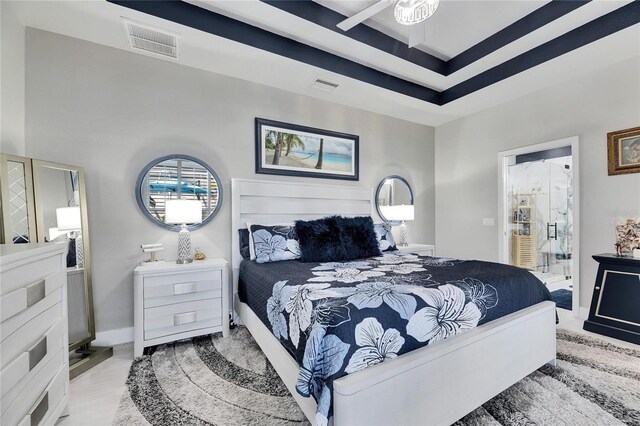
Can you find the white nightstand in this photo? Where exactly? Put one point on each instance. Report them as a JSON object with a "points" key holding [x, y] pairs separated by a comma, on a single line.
{"points": [[173, 302], [419, 249]]}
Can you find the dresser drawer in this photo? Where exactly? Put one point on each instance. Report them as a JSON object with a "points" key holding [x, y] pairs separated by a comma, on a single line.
{"points": [[9, 329], [179, 317], [29, 272], [31, 391], [18, 300], [29, 362], [53, 395], [23, 340]]}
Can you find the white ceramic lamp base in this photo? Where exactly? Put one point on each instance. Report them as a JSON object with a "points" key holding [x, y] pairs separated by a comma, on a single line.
{"points": [[79, 251], [184, 246], [403, 235]]}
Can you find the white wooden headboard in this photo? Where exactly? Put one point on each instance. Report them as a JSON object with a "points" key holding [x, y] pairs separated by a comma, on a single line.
{"points": [[271, 202]]}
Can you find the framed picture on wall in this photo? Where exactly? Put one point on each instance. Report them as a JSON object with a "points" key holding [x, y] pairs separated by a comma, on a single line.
{"points": [[623, 151], [293, 150]]}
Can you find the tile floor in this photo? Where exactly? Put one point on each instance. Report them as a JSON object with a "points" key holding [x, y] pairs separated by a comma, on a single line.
{"points": [[95, 395]]}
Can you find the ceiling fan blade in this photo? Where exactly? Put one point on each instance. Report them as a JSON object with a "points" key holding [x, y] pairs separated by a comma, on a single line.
{"points": [[417, 33], [363, 15]]}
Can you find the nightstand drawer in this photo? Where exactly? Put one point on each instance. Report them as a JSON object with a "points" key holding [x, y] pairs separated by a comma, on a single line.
{"points": [[173, 284], [177, 288], [179, 317]]}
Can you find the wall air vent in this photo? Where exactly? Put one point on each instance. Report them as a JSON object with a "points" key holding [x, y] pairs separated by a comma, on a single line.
{"points": [[151, 39], [324, 85]]}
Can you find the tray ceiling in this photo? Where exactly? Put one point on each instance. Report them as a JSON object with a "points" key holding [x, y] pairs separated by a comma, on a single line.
{"points": [[477, 54]]}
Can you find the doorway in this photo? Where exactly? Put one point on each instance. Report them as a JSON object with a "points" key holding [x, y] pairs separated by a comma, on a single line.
{"points": [[539, 207]]}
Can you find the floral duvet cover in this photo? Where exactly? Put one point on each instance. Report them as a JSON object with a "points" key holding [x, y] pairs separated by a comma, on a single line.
{"points": [[337, 318]]}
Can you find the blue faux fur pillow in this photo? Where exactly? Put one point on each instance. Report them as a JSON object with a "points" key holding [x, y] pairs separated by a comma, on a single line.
{"points": [[337, 238]]}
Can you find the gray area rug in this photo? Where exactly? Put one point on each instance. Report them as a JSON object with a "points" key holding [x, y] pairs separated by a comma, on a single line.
{"points": [[214, 381]]}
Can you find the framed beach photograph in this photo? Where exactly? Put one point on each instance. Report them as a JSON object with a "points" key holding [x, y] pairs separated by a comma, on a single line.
{"points": [[289, 149], [623, 151]]}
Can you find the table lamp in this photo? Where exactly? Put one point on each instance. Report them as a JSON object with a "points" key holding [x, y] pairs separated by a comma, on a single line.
{"points": [[399, 214], [68, 219], [183, 212]]}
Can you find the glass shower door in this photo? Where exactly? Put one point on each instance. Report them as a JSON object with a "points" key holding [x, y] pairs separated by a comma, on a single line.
{"points": [[559, 225]]}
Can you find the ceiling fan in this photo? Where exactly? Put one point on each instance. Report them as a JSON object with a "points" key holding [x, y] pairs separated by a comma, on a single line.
{"points": [[412, 13]]}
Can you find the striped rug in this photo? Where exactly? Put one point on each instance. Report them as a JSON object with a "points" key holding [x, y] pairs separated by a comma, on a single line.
{"points": [[214, 381]]}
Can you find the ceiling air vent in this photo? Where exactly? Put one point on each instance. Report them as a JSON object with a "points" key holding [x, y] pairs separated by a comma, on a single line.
{"points": [[151, 39], [324, 85]]}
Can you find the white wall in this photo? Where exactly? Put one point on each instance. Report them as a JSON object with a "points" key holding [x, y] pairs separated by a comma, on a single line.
{"points": [[11, 81], [467, 163], [112, 112]]}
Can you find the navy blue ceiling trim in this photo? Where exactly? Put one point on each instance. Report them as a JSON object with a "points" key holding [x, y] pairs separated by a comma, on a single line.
{"points": [[220, 25], [533, 21], [223, 26], [605, 25], [327, 18]]}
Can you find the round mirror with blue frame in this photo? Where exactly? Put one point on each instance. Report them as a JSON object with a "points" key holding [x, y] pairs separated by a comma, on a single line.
{"points": [[175, 177], [392, 191]]}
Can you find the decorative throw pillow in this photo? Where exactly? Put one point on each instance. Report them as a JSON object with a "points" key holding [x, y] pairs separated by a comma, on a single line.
{"points": [[274, 243], [337, 238], [320, 240], [386, 242], [358, 237], [243, 240]]}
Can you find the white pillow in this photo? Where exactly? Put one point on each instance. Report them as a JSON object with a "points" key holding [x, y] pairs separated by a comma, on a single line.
{"points": [[252, 250]]}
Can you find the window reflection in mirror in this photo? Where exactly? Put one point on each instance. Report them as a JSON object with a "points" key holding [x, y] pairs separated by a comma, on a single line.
{"points": [[178, 177]]}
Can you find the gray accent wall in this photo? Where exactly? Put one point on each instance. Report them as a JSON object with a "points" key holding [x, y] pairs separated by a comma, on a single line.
{"points": [[12, 45], [112, 111], [467, 170]]}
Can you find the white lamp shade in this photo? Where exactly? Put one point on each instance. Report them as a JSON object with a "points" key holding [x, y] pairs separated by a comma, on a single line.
{"points": [[68, 218], [183, 211], [397, 213]]}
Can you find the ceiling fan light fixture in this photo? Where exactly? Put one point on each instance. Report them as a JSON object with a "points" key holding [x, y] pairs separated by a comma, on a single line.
{"points": [[409, 12]]}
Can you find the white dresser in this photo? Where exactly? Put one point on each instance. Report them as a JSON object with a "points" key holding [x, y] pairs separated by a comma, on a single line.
{"points": [[175, 301], [34, 356]]}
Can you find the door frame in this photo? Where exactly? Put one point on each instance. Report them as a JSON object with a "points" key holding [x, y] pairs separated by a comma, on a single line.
{"points": [[503, 207]]}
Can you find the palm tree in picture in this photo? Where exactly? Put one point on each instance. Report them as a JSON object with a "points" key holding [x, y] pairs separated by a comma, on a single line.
{"points": [[292, 141], [320, 153], [278, 138]]}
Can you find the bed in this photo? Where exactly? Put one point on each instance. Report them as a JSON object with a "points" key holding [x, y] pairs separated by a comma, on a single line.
{"points": [[434, 384]]}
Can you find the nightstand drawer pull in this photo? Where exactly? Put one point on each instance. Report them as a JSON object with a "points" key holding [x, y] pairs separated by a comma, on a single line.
{"points": [[37, 352], [185, 318], [35, 293], [37, 414], [185, 288]]}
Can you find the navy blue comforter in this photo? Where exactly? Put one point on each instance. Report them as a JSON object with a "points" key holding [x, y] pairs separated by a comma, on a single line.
{"points": [[340, 317]]}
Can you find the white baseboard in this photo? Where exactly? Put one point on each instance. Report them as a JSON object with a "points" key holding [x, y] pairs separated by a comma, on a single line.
{"points": [[113, 337], [584, 313]]}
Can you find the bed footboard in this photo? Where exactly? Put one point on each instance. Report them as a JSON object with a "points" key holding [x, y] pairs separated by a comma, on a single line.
{"points": [[439, 384]]}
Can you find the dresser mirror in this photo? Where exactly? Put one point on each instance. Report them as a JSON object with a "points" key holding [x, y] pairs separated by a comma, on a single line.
{"points": [[176, 177], [46, 202], [18, 214], [393, 191]]}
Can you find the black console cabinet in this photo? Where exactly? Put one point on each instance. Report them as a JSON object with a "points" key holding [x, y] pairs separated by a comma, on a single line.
{"points": [[615, 306]]}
